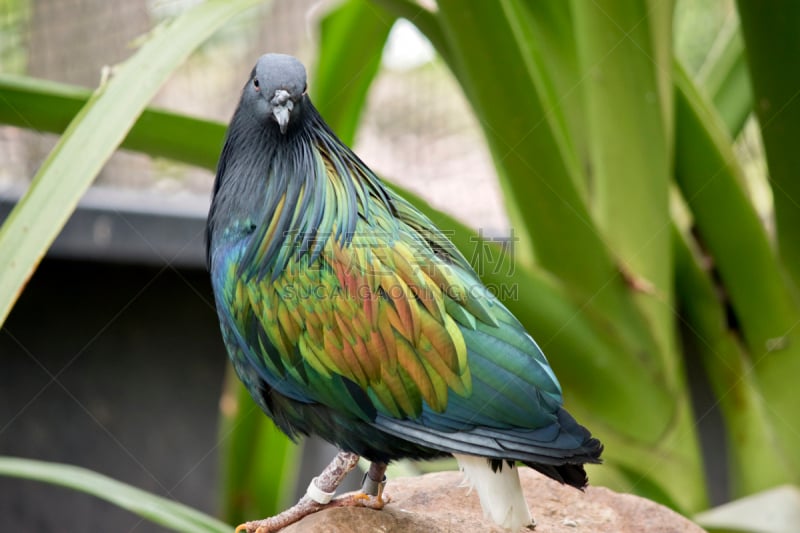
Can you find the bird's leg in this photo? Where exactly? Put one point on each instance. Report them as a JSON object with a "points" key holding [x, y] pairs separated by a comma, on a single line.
{"points": [[374, 480], [371, 494], [318, 496]]}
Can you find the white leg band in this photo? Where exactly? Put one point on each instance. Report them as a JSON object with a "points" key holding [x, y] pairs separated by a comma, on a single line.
{"points": [[317, 494]]}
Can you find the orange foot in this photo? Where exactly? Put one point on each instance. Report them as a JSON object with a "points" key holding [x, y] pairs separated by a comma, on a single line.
{"points": [[360, 499]]}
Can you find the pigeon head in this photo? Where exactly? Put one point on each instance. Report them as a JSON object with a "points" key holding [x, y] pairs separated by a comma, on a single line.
{"points": [[276, 90]]}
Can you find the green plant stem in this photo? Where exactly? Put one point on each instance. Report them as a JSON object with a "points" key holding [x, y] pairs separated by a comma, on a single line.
{"points": [[170, 514]]}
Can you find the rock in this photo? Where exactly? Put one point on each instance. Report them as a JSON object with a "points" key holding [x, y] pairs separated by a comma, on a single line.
{"points": [[440, 503]]}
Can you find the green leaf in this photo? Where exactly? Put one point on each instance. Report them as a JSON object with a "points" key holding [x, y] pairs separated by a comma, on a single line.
{"points": [[162, 511], [756, 462], [533, 157], [725, 80], [47, 106], [710, 180], [773, 46], [647, 488], [624, 47], [552, 29], [343, 77], [91, 139]]}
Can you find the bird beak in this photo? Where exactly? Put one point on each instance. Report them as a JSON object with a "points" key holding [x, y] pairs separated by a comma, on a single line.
{"points": [[282, 107]]}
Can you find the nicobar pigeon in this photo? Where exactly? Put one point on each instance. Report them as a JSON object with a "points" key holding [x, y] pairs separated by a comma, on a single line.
{"points": [[348, 314]]}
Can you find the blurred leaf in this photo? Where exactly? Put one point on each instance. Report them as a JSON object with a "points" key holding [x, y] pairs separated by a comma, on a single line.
{"points": [[725, 80], [710, 180], [538, 167], [647, 488], [167, 513], [772, 511], [97, 130], [47, 106], [532, 155], [755, 461], [342, 78], [552, 28], [773, 46], [625, 47]]}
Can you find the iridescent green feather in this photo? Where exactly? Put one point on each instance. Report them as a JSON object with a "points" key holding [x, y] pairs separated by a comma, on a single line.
{"points": [[365, 288], [363, 302]]}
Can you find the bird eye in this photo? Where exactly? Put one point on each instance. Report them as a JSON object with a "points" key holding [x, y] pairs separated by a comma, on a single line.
{"points": [[255, 83]]}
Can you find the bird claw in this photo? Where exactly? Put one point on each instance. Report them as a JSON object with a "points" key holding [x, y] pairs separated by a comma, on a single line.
{"points": [[255, 527], [361, 499], [247, 527]]}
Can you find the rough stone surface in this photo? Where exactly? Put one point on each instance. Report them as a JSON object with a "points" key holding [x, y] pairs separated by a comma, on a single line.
{"points": [[440, 503]]}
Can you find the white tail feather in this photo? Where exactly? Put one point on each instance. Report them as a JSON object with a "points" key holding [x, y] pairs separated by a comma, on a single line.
{"points": [[500, 492]]}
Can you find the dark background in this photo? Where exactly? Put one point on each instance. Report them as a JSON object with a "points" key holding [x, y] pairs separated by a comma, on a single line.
{"points": [[112, 360]]}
